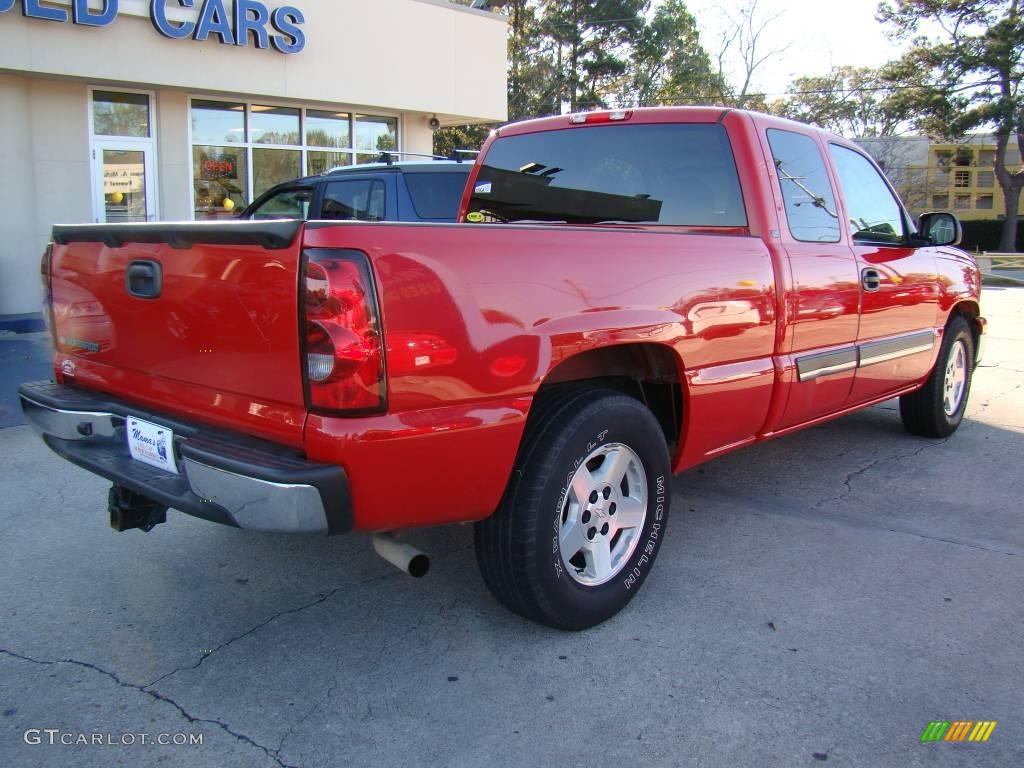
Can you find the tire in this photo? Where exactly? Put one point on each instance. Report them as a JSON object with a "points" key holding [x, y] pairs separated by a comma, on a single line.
{"points": [[937, 409], [543, 553]]}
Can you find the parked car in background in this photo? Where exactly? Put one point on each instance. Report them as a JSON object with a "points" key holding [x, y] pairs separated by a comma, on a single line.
{"points": [[422, 190]]}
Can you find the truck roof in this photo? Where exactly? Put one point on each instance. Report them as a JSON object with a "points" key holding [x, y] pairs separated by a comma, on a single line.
{"points": [[641, 115]]}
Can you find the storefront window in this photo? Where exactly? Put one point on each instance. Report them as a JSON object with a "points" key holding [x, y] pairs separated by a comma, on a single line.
{"points": [[375, 135], [218, 122], [320, 162], [272, 166], [221, 181], [275, 125], [240, 151], [328, 129], [120, 114]]}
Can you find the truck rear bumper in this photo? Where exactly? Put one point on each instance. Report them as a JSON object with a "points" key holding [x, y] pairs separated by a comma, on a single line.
{"points": [[225, 477]]}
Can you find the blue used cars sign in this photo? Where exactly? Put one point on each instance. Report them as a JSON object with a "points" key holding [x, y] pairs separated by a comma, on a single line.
{"points": [[280, 27]]}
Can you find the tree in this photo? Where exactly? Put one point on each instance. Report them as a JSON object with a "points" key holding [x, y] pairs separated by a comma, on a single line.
{"points": [[532, 76], [847, 100], [532, 80], [966, 63], [593, 41], [743, 39], [447, 140], [586, 54], [669, 65]]}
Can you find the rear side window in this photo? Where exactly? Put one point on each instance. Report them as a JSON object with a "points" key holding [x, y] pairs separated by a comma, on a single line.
{"points": [[436, 195], [358, 200], [875, 216], [644, 174], [806, 190], [286, 204]]}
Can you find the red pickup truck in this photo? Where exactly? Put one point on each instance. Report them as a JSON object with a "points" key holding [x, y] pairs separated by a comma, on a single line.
{"points": [[626, 295]]}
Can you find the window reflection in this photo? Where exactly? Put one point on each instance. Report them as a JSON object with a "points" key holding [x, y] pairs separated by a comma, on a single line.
{"points": [[286, 204], [275, 125], [217, 122], [221, 183], [321, 162], [328, 129], [120, 114], [124, 185], [240, 151], [376, 134], [806, 190], [272, 166]]}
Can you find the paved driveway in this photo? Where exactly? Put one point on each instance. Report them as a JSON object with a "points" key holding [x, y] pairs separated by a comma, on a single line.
{"points": [[819, 599]]}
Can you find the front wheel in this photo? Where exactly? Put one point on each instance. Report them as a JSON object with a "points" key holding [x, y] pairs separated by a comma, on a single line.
{"points": [[937, 409], [585, 511]]}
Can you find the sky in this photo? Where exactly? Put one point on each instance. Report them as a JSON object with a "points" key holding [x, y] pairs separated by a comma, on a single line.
{"points": [[820, 34]]}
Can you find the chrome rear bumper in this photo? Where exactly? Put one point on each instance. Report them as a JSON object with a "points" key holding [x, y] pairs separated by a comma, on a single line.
{"points": [[224, 477]]}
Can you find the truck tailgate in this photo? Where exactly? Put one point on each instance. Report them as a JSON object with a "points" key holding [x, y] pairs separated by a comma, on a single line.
{"points": [[196, 318]]}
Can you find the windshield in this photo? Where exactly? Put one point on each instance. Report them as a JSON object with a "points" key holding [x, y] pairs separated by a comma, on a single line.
{"points": [[646, 174], [292, 203]]}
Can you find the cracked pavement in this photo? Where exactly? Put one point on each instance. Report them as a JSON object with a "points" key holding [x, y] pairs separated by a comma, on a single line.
{"points": [[825, 594]]}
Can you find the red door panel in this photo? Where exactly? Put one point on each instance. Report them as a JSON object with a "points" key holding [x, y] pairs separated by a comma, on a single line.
{"points": [[897, 321]]}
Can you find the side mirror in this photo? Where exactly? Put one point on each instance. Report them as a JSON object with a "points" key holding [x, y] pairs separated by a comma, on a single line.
{"points": [[940, 228]]}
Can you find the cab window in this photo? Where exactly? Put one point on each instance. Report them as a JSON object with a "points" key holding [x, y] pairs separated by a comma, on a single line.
{"points": [[806, 191], [291, 203], [668, 174], [874, 214]]}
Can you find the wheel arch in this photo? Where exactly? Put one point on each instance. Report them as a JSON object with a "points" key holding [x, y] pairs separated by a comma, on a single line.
{"points": [[648, 371], [970, 310]]}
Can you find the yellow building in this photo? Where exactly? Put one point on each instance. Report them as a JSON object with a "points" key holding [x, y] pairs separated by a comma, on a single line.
{"points": [[955, 177], [962, 179]]}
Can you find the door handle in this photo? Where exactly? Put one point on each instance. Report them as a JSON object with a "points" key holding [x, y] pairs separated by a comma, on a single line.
{"points": [[144, 279], [870, 279]]}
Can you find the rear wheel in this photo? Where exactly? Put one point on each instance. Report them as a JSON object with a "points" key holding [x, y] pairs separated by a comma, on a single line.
{"points": [[937, 409], [585, 511]]}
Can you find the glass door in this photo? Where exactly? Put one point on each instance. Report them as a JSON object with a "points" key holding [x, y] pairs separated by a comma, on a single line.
{"points": [[124, 182], [123, 156]]}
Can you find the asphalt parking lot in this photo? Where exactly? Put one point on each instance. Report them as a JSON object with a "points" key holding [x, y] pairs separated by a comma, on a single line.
{"points": [[818, 600]]}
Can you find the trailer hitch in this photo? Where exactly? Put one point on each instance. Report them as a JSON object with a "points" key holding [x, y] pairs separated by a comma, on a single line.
{"points": [[129, 509]]}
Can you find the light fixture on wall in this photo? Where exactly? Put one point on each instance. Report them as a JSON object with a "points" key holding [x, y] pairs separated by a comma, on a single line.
{"points": [[435, 123]]}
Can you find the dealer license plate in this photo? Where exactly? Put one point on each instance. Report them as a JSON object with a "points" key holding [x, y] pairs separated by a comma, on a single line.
{"points": [[151, 444]]}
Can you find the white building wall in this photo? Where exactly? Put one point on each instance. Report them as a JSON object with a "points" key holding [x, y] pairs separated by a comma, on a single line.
{"points": [[19, 282], [174, 156], [397, 55]]}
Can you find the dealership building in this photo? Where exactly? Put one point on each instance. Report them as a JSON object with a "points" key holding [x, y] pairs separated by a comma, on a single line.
{"points": [[149, 110]]}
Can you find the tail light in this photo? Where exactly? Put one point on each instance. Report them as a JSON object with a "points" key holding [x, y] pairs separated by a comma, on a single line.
{"points": [[342, 349], [45, 275]]}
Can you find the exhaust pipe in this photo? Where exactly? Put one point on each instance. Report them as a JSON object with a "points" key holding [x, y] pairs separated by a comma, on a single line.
{"points": [[404, 557]]}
